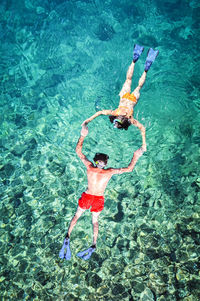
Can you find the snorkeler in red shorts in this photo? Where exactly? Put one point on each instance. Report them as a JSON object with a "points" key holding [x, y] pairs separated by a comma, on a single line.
{"points": [[93, 197]]}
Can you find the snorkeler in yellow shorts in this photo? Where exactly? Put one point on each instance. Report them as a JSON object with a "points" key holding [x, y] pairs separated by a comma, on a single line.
{"points": [[122, 117]]}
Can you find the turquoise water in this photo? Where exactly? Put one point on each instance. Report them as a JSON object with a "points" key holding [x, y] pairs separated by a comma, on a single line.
{"points": [[60, 60]]}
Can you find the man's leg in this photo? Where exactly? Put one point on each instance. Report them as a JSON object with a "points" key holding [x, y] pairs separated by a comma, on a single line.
{"points": [[95, 216], [86, 254], [74, 220], [65, 251], [141, 82], [127, 85]]}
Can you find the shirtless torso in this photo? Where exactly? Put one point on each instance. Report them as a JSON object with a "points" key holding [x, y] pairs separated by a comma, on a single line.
{"points": [[98, 178]]}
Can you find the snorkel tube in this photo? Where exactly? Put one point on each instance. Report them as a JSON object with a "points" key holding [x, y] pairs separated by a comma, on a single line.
{"points": [[115, 121]]}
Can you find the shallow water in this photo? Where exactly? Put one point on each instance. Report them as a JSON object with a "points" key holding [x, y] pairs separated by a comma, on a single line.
{"points": [[60, 62]]}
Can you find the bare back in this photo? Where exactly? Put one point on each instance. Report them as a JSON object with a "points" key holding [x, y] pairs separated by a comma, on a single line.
{"points": [[97, 179]]}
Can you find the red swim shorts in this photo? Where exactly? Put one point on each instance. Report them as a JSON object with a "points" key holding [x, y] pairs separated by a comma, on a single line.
{"points": [[86, 200]]}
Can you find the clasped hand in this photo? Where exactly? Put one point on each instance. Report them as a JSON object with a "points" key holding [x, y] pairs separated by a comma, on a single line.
{"points": [[84, 130]]}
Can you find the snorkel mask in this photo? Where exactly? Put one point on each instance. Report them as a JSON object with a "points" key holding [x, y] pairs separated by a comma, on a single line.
{"points": [[115, 122], [100, 165]]}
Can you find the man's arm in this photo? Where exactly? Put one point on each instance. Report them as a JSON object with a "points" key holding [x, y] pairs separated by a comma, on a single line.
{"points": [[137, 154], [84, 132], [143, 132], [103, 112]]}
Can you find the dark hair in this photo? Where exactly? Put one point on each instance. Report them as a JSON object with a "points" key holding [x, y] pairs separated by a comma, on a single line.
{"points": [[123, 125], [101, 157]]}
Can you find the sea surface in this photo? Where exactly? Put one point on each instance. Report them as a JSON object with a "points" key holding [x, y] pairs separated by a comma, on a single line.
{"points": [[60, 62]]}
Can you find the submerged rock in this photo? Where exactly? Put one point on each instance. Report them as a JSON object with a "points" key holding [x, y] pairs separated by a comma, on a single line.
{"points": [[118, 289], [147, 295], [138, 285], [56, 168], [8, 170], [158, 283], [105, 32], [95, 281], [20, 121], [20, 149]]}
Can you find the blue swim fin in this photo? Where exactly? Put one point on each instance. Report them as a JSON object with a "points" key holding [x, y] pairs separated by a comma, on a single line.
{"points": [[137, 51], [86, 254], [151, 56], [66, 247]]}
